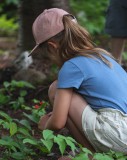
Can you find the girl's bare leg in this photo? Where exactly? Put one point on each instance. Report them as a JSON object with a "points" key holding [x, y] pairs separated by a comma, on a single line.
{"points": [[74, 121]]}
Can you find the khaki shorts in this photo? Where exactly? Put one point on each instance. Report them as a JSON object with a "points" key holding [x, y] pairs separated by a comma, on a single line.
{"points": [[106, 129]]}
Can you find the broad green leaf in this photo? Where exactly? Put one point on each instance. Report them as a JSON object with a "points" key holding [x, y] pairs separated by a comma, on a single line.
{"points": [[13, 128], [69, 138], [81, 156], [101, 156], [48, 144], [85, 150], [24, 131], [71, 144], [21, 84], [47, 134], [30, 141], [61, 143], [32, 117], [25, 123], [69, 141], [7, 117], [72, 139]]}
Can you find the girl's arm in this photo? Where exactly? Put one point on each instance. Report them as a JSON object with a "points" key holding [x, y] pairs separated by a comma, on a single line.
{"points": [[60, 109]]}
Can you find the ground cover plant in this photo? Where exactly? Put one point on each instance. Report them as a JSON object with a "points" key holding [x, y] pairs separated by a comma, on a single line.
{"points": [[20, 138]]}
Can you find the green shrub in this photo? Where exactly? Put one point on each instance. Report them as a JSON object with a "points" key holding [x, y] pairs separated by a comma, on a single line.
{"points": [[8, 27]]}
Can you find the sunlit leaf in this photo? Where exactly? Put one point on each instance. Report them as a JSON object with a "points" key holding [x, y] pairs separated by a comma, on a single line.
{"points": [[61, 143], [47, 134], [13, 128], [30, 141], [48, 144]]}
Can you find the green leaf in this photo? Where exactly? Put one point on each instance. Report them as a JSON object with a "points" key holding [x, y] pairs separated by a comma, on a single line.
{"points": [[4, 99], [25, 123], [118, 154], [48, 144], [21, 84], [6, 125], [72, 139], [81, 156], [35, 101], [4, 142], [6, 84], [101, 156], [47, 134], [9, 143], [30, 141], [7, 117], [23, 93], [85, 150], [32, 117], [61, 143], [26, 107], [18, 156], [71, 144], [13, 128], [20, 100], [24, 131], [1, 121]]}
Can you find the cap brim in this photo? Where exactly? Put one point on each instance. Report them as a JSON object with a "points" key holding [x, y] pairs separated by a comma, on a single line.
{"points": [[33, 50]]}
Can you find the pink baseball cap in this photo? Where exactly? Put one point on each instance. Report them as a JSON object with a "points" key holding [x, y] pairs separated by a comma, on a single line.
{"points": [[48, 24]]}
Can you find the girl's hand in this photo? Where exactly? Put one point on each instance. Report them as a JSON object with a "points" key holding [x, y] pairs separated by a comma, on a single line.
{"points": [[49, 114], [43, 120]]}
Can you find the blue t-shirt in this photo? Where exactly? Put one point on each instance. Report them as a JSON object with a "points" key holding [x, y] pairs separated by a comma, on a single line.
{"points": [[100, 85]]}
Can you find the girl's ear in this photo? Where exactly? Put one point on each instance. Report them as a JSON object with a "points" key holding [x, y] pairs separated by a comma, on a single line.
{"points": [[53, 44]]}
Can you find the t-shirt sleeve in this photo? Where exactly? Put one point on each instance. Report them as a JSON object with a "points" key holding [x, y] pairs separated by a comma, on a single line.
{"points": [[70, 76]]}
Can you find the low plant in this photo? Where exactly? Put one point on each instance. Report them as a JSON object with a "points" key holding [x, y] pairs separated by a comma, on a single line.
{"points": [[21, 140], [13, 93]]}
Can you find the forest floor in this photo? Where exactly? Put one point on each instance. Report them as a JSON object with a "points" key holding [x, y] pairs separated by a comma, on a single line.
{"points": [[7, 55]]}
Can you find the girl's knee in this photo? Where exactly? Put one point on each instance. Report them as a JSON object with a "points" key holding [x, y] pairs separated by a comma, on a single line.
{"points": [[52, 91]]}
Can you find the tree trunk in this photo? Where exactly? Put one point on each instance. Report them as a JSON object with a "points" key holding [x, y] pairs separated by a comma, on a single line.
{"points": [[28, 11]]}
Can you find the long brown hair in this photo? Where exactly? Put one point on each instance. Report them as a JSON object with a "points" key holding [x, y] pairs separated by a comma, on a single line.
{"points": [[74, 41]]}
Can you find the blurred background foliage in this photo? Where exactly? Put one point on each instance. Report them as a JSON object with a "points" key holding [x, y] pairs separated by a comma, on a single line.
{"points": [[90, 14], [8, 18]]}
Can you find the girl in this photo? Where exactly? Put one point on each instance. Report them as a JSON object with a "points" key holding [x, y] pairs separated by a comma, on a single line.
{"points": [[90, 95]]}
